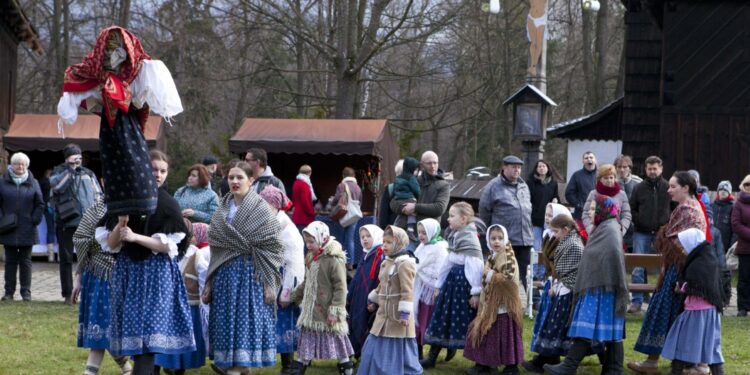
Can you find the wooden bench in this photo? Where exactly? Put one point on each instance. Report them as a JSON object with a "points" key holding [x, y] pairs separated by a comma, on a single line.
{"points": [[651, 262]]}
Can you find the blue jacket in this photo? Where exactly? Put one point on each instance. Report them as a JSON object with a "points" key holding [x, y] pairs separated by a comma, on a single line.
{"points": [[581, 183], [81, 183], [203, 201], [24, 200], [510, 206]]}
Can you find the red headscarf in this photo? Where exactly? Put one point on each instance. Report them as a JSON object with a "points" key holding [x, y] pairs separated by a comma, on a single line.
{"points": [[90, 73]]}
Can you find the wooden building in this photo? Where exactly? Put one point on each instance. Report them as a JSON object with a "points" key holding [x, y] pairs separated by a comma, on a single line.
{"points": [[687, 89], [14, 29]]}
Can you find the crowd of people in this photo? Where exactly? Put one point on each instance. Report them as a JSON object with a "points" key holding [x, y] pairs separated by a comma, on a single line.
{"points": [[221, 270]]}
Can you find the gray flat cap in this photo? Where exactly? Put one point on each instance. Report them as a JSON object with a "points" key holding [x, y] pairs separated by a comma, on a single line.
{"points": [[512, 159]]}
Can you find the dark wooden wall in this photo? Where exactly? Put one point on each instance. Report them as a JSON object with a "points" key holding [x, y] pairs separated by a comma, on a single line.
{"points": [[8, 56], [706, 94]]}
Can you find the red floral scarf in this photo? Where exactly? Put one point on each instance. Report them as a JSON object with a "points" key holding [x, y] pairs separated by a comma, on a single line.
{"points": [[90, 73]]}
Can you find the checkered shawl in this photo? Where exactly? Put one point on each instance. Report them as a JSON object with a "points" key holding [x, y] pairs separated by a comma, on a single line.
{"points": [[91, 258], [254, 231], [567, 256]]}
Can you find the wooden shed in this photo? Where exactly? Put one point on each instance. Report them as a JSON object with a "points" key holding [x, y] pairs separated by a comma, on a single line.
{"points": [[687, 97]]}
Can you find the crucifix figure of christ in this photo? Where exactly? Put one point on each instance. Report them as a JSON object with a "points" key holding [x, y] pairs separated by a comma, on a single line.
{"points": [[536, 31]]}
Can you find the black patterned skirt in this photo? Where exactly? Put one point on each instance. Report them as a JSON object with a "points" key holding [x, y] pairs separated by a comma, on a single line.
{"points": [[129, 184]]}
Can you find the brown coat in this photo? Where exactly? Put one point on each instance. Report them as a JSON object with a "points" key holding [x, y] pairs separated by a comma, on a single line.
{"points": [[393, 296], [324, 291]]}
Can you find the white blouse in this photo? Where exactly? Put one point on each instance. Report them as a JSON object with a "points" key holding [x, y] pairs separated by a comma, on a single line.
{"points": [[171, 240], [473, 269], [153, 85], [294, 256]]}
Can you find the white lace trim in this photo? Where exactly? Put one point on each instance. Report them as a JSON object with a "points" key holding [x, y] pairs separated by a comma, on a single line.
{"points": [[156, 341], [242, 356]]}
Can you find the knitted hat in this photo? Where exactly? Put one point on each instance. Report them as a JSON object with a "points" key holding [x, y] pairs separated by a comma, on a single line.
{"points": [[725, 185], [71, 150], [275, 197], [209, 160]]}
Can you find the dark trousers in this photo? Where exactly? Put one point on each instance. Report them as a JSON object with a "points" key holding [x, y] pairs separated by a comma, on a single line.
{"points": [[523, 256], [743, 283], [18, 257], [66, 255]]}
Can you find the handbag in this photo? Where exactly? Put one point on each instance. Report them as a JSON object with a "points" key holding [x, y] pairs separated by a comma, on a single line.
{"points": [[733, 263], [339, 210], [68, 210], [353, 212], [8, 223]]}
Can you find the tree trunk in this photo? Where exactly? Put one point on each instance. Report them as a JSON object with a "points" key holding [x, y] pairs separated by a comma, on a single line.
{"points": [[299, 47], [345, 94], [124, 13], [588, 64], [601, 53]]}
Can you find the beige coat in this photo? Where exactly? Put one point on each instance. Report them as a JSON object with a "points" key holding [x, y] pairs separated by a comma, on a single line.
{"points": [[324, 291], [394, 295]]}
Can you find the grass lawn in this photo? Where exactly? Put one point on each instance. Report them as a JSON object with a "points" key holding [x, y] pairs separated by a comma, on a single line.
{"points": [[40, 338]]}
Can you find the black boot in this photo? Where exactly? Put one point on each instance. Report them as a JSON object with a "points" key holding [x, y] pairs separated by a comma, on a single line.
{"points": [[510, 370], [429, 362], [614, 357], [678, 366], [450, 354], [299, 368], [478, 370], [536, 364], [346, 368], [576, 353], [419, 352], [717, 369], [287, 359]]}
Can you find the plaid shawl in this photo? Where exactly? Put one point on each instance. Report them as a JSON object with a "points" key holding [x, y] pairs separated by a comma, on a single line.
{"points": [[254, 231], [91, 259], [567, 257], [90, 73]]}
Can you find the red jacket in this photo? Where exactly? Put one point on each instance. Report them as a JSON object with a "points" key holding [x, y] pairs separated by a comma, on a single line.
{"points": [[304, 212]]}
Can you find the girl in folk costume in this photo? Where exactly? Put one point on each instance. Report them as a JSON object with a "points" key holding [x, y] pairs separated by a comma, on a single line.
{"points": [[189, 265], [695, 337], [602, 295], [550, 338], [495, 336], [459, 286], [119, 81], [149, 310], [391, 347], [322, 296], [92, 282], [430, 253], [364, 281], [292, 274], [243, 277]]}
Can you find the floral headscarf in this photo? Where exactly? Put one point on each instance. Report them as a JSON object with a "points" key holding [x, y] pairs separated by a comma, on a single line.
{"points": [[318, 231], [400, 239], [275, 197], [200, 232], [606, 208], [432, 229]]}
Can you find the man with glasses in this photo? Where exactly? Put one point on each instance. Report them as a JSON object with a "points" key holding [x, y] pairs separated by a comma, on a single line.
{"points": [[435, 191], [258, 160]]}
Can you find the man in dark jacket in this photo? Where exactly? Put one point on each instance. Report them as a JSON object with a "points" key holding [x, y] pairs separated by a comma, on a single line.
{"points": [[258, 160], [650, 208], [581, 183], [435, 191], [74, 189]]}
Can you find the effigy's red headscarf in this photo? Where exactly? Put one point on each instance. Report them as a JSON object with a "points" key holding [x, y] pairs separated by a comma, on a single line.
{"points": [[90, 73]]}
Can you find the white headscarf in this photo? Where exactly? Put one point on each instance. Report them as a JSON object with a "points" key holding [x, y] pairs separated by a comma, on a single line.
{"points": [[377, 236], [691, 238], [431, 228], [319, 231], [505, 235], [557, 209]]}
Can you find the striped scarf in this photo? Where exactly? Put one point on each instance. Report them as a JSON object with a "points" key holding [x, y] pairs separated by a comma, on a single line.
{"points": [[91, 259], [254, 231]]}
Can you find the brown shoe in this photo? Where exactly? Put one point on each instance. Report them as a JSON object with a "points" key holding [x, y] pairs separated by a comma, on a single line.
{"points": [[69, 301], [634, 308], [645, 367]]}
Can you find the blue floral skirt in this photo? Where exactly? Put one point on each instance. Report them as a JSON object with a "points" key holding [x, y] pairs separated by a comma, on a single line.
{"points": [[552, 339], [390, 355], [661, 314], [149, 310], [241, 327], [93, 312], [287, 332], [695, 337], [452, 314], [194, 359], [594, 318], [545, 303]]}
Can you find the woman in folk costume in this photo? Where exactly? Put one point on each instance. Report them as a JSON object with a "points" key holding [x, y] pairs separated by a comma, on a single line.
{"points": [[243, 277], [695, 337], [391, 347], [601, 291], [364, 281], [119, 81], [430, 253], [149, 310], [550, 339], [292, 274], [92, 282], [322, 297], [495, 336], [178, 363], [459, 285]]}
